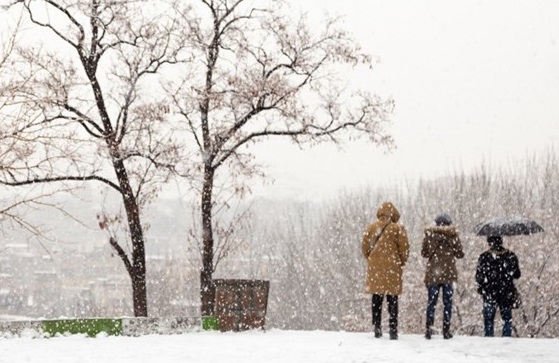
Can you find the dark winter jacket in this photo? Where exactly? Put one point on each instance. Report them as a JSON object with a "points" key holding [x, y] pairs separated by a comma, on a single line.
{"points": [[385, 246], [497, 268], [441, 246]]}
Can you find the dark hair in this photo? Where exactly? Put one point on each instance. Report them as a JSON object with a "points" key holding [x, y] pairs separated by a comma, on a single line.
{"points": [[495, 241], [443, 220]]}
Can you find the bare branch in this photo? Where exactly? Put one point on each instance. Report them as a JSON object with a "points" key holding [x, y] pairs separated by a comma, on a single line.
{"points": [[62, 178], [79, 45], [123, 256]]}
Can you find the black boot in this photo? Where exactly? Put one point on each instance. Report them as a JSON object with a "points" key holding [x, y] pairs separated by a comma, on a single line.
{"points": [[428, 329], [393, 334], [446, 330], [378, 331]]}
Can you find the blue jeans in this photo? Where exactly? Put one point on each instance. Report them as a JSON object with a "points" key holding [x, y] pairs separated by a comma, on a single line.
{"points": [[489, 311], [433, 297]]}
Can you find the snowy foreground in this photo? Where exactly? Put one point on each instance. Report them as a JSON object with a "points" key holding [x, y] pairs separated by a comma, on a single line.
{"points": [[276, 346]]}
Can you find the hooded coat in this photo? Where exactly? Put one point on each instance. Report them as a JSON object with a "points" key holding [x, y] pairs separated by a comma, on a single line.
{"points": [[386, 248], [441, 246]]}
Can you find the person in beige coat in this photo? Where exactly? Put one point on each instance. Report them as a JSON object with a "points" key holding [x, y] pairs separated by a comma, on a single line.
{"points": [[386, 248], [441, 247]]}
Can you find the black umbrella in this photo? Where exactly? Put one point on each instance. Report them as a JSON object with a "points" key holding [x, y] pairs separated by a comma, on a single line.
{"points": [[507, 227]]}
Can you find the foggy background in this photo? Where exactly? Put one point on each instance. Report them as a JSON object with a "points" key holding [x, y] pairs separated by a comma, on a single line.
{"points": [[475, 123]]}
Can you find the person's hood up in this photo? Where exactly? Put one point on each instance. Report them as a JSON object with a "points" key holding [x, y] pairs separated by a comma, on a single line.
{"points": [[387, 209], [449, 231]]}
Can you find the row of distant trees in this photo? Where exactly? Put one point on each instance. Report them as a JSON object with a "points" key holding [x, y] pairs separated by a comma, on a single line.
{"points": [[133, 94], [318, 278], [309, 250]]}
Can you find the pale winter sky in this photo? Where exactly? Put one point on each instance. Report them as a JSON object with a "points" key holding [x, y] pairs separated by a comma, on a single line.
{"points": [[474, 82]]}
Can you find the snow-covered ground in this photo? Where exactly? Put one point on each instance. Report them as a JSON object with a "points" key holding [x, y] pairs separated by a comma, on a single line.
{"points": [[276, 346]]}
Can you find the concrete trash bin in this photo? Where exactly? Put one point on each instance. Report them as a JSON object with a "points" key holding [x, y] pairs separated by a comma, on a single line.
{"points": [[241, 304]]}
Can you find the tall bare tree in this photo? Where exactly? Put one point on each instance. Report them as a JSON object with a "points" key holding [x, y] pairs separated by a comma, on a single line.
{"points": [[260, 74], [78, 105]]}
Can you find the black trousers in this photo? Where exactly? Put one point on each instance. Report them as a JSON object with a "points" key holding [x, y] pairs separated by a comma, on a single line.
{"points": [[392, 311]]}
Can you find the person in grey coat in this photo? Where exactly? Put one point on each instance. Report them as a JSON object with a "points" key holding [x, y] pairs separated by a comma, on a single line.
{"points": [[441, 247]]}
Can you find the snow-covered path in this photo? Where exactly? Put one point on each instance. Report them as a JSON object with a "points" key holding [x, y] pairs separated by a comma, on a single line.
{"points": [[276, 346]]}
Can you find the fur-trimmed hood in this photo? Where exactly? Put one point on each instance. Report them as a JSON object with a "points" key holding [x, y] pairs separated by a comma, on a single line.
{"points": [[447, 231]]}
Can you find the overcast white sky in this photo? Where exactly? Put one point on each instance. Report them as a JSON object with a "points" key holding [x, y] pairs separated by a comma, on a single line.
{"points": [[473, 81]]}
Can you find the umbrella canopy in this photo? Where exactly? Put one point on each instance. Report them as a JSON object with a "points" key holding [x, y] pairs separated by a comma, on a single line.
{"points": [[507, 227]]}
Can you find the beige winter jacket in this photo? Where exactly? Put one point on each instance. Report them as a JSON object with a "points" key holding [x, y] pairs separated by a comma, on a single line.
{"points": [[387, 257]]}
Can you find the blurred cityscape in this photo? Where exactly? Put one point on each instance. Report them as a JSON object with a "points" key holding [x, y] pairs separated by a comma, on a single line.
{"points": [[79, 275]]}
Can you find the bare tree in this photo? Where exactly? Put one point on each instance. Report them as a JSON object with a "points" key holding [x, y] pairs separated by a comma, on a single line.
{"points": [[259, 74], [78, 105]]}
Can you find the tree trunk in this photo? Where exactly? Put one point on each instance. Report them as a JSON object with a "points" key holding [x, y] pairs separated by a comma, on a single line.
{"points": [[207, 289], [139, 293], [138, 271]]}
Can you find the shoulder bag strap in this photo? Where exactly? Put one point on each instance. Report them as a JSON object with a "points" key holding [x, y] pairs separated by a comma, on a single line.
{"points": [[378, 237]]}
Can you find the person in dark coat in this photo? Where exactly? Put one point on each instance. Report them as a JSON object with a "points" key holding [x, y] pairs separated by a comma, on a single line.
{"points": [[497, 268], [386, 248], [441, 247]]}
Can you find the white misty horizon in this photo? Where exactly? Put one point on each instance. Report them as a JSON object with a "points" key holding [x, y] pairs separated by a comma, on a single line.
{"points": [[465, 95]]}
